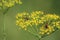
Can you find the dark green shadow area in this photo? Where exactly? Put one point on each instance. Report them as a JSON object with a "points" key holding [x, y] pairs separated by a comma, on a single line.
{"points": [[56, 6], [14, 33]]}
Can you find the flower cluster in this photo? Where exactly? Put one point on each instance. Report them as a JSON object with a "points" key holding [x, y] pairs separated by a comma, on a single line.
{"points": [[9, 3], [50, 23], [25, 19], [44, 23], [46, 29]]}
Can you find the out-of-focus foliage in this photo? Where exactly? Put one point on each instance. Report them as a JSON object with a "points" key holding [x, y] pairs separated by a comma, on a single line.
{"points": [[43, 24]]}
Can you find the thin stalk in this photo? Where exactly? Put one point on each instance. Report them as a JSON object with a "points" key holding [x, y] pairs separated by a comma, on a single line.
{"points": [[4, 34], [33, 29], [5, 11], [36, 29], [34, 34]]}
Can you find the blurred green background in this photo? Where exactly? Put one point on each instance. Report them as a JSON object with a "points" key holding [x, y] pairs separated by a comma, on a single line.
{"points": [[8, 28]]}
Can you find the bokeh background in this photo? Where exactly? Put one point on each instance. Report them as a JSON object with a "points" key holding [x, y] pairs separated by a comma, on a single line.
{"points": [[8, 28]]}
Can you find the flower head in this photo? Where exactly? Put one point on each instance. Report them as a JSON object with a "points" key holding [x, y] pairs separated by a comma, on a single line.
{"points": [[43, 24], [9, 3], [50, 24], [47, 29], [25, 19]]}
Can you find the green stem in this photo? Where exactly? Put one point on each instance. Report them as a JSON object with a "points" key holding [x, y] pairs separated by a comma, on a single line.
{"points": [[31, 33], [36, 35], [5, 11], [4, 34], [36, 29], [33, 29]]}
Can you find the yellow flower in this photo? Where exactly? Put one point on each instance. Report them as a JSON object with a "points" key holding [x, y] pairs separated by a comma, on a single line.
{"points": [[9, 3], [49, 16], [39, 12], [18, 1], [46, 30], [40, 21], [36, 14], [58, 24], [23, 20], [44, 24], [41, 33], [17, 22]]}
